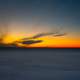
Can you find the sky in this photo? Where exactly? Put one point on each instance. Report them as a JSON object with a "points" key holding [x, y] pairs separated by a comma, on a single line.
{"points": [[25, 18]]}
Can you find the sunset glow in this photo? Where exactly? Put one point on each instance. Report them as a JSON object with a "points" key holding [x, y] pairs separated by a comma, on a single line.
{"points": [[49, 41], [31, 19]]}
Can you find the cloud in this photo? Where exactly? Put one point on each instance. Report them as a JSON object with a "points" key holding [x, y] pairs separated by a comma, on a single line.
{"points": [[63, 34], [41, 35], [46, 34], [31, 42]]}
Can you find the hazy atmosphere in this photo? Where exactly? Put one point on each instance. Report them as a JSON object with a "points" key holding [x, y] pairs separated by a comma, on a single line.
{"points": [[39, 39], [26, 18]]}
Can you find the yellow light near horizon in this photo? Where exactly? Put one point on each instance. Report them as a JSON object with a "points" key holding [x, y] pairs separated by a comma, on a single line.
{"points": [[58, 42], [11, 38], [48, 41]]}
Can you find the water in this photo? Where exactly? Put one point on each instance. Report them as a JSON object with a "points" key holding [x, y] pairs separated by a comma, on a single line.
{"points": [[39, 64]]}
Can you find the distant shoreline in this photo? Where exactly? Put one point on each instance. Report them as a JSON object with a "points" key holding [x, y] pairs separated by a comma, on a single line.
{"points": [[38, 48]]}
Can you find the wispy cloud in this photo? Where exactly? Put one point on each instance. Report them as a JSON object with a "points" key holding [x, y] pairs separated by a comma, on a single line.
{"points": [[31, 42], [46, 34]]}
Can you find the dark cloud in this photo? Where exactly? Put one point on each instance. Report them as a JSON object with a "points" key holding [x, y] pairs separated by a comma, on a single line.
{"points": [[46, 34], [42, 34], [39, 35], [31, 42], [28, 41]]}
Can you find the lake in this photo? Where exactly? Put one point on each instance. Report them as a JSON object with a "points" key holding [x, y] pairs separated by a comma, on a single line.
{"points": [[39, 64]]}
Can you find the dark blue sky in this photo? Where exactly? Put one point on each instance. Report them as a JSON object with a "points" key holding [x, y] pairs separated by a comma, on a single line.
{"points": [[61, 13]]}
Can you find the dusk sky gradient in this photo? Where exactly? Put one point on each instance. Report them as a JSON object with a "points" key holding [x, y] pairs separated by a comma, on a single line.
{"points": [[29, 17]]}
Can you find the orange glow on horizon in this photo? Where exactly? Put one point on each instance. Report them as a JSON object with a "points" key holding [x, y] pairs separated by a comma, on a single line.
{"points": [[58, 42], [51, 42]]}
